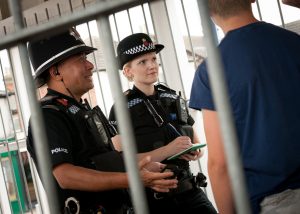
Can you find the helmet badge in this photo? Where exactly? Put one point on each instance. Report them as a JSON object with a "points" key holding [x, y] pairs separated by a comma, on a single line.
{"points": [[145, 42], [75, 34]]}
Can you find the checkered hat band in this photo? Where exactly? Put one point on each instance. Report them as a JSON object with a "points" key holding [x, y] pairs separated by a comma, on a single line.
{"points": [[172, 96], [139, 49], [134, 102]]}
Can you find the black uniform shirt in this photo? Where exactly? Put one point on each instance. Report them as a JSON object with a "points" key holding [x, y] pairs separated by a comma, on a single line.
{"points": [[70, 141], [148, 134]]}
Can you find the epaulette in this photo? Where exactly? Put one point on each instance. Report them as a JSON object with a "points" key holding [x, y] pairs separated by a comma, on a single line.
{"points": [[163, 88], [127, 92], [47, 99], [48, 102], [131, 94]]}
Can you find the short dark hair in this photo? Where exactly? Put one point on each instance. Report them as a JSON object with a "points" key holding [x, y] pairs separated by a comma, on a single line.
{"points": [[45, 77], [227, 8]]}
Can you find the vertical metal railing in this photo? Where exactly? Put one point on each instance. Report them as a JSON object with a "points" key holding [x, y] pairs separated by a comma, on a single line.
{"points": [[280, 13], [259, 11], [194, 60], [39, 134], [215, 73], [145, 20], [189, 34], [17, 150], [160, 58], [20, 113], [130, 22], [136, 186], [10, 161], [97, 70], [220, 96], [37, 123], [176, 60]]}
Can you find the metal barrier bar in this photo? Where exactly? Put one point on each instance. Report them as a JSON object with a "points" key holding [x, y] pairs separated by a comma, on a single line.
{"points": [[258, 9], [117, 30], [176, 60], [66, 21], [130, 22], [220, 95], [97, 71], [280, 13], [136, 186], [10, 162], [195, 64], [145, 20], [159, 54], [189, 33], [20, 161], [20, 113], [22, 35], [37, 122]]}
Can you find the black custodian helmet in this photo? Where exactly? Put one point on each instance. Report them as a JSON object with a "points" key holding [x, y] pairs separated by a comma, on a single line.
{"points": [[135, 45], [49, 51]]}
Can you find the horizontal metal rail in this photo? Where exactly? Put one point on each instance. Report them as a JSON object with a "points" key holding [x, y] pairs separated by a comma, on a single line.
{"points": [[57, 25], [20, 37]]}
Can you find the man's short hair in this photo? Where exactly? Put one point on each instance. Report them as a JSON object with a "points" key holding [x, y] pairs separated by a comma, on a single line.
{"points": [[228, 8]]}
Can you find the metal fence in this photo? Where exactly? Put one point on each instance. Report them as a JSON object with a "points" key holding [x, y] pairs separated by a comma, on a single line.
{"points": [[107, 14]]}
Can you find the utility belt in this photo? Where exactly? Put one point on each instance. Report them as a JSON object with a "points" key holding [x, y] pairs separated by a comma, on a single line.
{"points": [[186, 182], [72, 206]]}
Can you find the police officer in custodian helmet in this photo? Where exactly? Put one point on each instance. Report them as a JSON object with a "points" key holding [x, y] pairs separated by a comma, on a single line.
{"points": [[86, 167], [162, 125]]}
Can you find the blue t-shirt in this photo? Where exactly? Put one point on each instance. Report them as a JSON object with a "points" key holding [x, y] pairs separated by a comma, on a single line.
{"points": [[262, 69]]}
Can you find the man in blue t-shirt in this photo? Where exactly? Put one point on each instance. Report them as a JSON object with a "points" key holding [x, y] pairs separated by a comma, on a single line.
{"points": [[294, 3], [262, 69]]}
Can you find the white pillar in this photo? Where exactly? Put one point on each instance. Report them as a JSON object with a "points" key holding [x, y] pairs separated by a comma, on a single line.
{"points": [[164, 36], [20, 85], [24, 107]]}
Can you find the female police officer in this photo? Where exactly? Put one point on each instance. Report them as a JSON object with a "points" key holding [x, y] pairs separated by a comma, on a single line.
{"points": [[162, 125], [78, 136]]}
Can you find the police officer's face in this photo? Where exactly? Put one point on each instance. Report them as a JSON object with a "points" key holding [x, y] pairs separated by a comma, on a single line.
{"points": [[144, 69], [77, 74]]}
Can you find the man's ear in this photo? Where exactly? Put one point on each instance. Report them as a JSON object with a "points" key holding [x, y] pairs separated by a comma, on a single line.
{"points": [[54, 73]]}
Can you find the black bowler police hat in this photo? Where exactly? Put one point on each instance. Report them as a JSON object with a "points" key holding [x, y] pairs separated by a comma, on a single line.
{"points": [[49, 51], [135, 45]]}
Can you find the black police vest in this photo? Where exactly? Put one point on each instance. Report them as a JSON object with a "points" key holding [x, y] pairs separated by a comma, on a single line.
{"points": [[94, 132], [95, 149], [151, 132]]}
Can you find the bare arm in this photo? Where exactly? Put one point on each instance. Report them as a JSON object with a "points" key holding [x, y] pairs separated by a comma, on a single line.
{"points": [[70, 176], [217, 168], [177, 145], [160, 154], [174, 147]]}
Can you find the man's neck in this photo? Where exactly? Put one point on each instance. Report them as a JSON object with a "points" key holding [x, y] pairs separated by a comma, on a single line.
{"points": [[235, 22], [66, 92]]}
